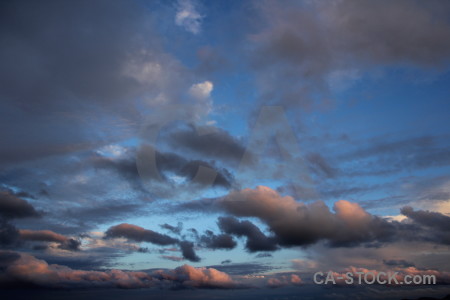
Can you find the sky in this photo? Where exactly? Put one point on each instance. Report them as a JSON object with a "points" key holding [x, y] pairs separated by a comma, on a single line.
{"points": [[197, 149]]}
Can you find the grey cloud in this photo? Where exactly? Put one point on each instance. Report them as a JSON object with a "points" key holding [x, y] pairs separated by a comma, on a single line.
{"points": [[427, 218], [54, 61], [175, 229], [381, 157], [256, 240], [263, 255], [187, 249], [139, 234], [219, 241], [164, 162], [73, 73], [298, 224], [305, 46], [400, 263], [294, 223], [9, 235], [11, 206], [320, 165], [98, 213], [208, 141], [65, 243]]}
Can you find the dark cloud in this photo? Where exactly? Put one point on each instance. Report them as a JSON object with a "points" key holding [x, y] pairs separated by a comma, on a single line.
{"points": [[139, 234], [219, 241], [298, 224], [175, 229], [208, 141], [187, 249], [263, 255], [6, 258], [163, 163], [9, 235], [427, 218], [65, 243], [294, 223], [11, 206], [256, 239]]}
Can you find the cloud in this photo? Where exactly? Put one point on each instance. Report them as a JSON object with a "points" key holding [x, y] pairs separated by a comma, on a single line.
{"points": [[294, 223], [243, 269], [153, 165], [191, 277], [381, 156], [117, 76], [23, 269], [176, 230], [188, 17], [201, 90], [65, 243], [207, 141], [428, 218], [306, 46], [280, 280], [263, 255], [172, 258], [299, 224], [41, 236], [442, 277], [139, 234], [12, 206], [256, 240], [187, 249], [219, 241], [400, 263], [9, 234], [320, 165]]}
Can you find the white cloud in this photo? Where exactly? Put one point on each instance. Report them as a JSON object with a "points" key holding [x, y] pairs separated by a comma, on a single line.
{"points": [[201, 90], [188, 17], [112, 150]]}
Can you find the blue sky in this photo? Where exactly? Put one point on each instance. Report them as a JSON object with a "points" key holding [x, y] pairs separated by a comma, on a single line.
{"points": [[238, 144]]}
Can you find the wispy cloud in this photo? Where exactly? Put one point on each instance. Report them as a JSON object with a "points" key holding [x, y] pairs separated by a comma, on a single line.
{"points": [[188, 17]]}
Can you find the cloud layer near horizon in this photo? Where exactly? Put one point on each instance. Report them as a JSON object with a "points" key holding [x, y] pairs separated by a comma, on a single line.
{"points": [[20, 269]]}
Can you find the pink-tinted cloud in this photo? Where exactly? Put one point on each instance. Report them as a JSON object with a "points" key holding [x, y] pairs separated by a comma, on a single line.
{"points": [[42, 236], [281, 280], [297, 224], [189, 276], [21, 268]]}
